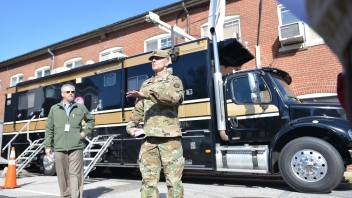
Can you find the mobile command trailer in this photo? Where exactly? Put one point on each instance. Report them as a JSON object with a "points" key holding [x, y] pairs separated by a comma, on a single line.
{"points": [[267, 129]]}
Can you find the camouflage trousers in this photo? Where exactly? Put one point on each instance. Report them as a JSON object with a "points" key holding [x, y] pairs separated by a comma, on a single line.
{"points": [[157, 153]]}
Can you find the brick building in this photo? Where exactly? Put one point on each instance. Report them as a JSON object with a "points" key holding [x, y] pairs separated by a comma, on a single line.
{"points": [[309, 61]]}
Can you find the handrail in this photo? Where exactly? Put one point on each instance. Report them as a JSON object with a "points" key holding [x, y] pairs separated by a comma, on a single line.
{"points": [[88, 139], [14, 137], [28, 139]]}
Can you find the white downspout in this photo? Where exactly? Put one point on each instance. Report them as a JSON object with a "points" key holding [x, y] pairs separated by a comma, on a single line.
{"points": [[52, 59]]}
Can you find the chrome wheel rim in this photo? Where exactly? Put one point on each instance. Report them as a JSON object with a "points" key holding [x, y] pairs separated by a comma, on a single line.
{"points": [[309, 165]]}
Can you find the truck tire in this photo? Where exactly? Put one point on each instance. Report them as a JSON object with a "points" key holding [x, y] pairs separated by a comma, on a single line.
{"points": [[311, 165], [47, 168]]}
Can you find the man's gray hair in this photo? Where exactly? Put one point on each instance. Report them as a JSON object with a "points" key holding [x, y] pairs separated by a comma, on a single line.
{"points": [[67, 85]]}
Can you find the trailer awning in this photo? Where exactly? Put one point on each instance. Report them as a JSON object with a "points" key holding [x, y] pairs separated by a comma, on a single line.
{"points": [[233, 53]]}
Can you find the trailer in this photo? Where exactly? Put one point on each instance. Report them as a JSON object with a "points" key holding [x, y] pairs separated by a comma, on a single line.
{"points": [[248, 122], [268, 130]]}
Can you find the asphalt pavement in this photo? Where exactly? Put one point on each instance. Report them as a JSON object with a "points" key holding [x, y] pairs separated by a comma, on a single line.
{"points": [[36, 185]]}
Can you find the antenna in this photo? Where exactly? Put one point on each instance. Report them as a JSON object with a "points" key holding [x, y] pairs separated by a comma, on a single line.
{"points": [[179, 33]]}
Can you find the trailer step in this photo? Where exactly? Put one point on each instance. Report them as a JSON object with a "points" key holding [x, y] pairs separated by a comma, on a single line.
{"points": [[32, 155], [96, 141], [99, 142], [93, 150], [30, 151]]}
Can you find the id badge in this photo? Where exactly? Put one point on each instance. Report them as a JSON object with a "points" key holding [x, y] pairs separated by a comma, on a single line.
{"points": [[67, 128]]}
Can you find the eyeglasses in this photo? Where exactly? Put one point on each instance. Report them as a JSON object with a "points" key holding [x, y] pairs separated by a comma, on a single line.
{"points": [[156, 58], [70, 92]]}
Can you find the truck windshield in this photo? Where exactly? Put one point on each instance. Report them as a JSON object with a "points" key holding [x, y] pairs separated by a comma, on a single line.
{"points": [[285, 89]]}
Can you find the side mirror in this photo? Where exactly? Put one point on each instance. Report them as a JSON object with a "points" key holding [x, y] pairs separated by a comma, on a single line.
{"points": [[253, 85]]}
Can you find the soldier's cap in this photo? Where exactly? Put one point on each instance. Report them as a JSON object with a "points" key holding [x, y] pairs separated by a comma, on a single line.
{"points": [[160, 53]]}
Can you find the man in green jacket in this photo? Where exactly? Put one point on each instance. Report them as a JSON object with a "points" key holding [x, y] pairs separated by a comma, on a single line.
{"points": [[64, 126]]}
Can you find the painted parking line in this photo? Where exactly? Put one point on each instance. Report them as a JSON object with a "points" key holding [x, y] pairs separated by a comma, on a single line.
{"points": [[36, 192]]}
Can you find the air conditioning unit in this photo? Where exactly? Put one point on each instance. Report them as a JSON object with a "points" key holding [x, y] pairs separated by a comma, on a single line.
{"points": [[59, 69], [292, 33]]}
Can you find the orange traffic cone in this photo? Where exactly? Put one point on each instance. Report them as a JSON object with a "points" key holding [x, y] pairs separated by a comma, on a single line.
{"points": [[11, 180]]}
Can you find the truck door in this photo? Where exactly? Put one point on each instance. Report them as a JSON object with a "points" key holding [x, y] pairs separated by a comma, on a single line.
{"points": [[248, 121]]}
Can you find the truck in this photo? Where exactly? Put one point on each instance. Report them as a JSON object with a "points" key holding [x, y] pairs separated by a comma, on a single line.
{"points": [[268, 129], [248, 122]]}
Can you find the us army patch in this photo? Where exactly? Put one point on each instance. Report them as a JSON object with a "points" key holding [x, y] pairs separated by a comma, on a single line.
{"points": [[176, 85]]}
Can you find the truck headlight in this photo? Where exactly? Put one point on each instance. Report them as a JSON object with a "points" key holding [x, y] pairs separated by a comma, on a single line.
{"points": [[350, 133]]}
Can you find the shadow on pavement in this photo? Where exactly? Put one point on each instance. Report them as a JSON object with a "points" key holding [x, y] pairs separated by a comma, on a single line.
{"points": [[96, 192], [344, 186]]}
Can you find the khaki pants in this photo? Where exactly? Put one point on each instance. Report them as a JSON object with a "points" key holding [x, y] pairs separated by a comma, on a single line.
{"points": [[69, 170], [157, 153]]}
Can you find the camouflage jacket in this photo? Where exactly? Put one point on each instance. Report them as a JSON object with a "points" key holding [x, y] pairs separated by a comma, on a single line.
{"points": [[159, 110]]}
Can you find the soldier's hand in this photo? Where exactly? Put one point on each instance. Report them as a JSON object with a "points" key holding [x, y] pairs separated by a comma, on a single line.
{"points": [[48, 151], [132, 131], [135, 94], [139, 95]]}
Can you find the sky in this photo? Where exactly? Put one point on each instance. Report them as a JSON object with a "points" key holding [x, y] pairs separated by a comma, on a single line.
{"points": [[27, 25]]}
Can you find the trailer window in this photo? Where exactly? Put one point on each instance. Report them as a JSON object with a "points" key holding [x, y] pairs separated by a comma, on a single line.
{"points": [[109, 80], [135, 83], [51, 92], [26, 101]]}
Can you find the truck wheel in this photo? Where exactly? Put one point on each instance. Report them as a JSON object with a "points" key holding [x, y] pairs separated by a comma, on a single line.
{"points": [[311, 165], [47, 167]]}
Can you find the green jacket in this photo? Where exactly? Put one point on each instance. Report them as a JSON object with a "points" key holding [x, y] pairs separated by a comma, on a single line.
{"points": [[55, 127]]}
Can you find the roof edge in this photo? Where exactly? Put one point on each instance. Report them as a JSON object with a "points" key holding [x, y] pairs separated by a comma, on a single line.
{"points": [[103, 30]]}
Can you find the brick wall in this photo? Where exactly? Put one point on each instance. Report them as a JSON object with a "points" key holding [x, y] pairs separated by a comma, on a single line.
{"points": [[313, 70]]}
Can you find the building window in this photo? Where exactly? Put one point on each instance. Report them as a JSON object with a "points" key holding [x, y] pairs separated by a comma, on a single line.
{"points": [[16, 79], [111, 53], [42, 71], [157, 42], [72, 63], [135, 83], [287, 16], [89, 62], [231, 28], [290, 27]]}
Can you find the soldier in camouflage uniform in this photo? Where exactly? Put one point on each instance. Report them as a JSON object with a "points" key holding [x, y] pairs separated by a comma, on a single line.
{"points": [[157, 105]]}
